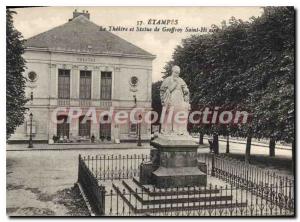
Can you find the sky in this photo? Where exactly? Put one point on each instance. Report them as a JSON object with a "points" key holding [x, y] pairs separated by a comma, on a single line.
{"points": [[32, 21]]}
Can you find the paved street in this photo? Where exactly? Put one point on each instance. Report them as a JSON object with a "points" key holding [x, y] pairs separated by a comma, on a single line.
{"points": [[77, 146], [238, 147], [281, 163], [255, 149]]}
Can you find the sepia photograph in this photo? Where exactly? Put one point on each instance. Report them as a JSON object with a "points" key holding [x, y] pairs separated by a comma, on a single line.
{"points": [[150, 111]]}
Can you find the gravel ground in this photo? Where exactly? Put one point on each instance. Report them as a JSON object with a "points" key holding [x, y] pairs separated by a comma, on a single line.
{"points": [[42, 182]]}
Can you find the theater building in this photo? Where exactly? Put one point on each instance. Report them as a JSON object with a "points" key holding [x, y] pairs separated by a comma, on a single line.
{"points": [[79, 65]]}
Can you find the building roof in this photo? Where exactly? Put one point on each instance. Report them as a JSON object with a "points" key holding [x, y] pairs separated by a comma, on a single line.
{"points": [[80, 35]]}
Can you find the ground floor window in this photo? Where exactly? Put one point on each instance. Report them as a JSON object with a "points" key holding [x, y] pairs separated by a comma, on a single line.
{"points": [[105, 129], [84, 127], [63, 128]]}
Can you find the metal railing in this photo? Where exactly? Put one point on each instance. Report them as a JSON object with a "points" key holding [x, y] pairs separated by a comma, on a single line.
{"points": [[106, 104], [109, 167], [247, 190], [63, 102], [249, 176], [126, 199], [93, 191]]}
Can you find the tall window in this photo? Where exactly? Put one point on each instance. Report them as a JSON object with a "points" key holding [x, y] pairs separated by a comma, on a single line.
{"points": [[85, 84], [84, 127], [64, 127], [105, 128], [63, 84], [106, 85]]}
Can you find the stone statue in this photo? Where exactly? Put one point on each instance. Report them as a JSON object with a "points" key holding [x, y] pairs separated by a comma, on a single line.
{"points": [[175, 96], [174, 155]]}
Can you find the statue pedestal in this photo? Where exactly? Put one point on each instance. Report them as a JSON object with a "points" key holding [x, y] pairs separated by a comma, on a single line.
{"points": [[173, 163]]}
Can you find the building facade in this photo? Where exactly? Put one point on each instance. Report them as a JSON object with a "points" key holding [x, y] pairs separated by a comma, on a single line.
{"points": [[78, 65]]}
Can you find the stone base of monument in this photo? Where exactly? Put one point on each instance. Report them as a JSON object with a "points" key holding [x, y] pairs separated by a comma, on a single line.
{"points": [[179, 177], [173, 163]]}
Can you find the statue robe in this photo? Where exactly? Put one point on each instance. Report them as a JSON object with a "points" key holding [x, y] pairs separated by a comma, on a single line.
{"points": [[174, 94]]}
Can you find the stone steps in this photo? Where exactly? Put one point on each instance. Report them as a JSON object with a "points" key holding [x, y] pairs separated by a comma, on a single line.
{"points": [[145, 199], [173, 197], [149, 189], [139, 202]]}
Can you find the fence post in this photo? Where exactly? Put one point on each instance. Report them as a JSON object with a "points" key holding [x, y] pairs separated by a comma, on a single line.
{"points": [[213, 165], [102, 190], [93, 191], [79, 159], [111, 202], [247, 178]]}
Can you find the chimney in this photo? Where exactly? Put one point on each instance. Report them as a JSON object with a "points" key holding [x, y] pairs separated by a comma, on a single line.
{"points": [[84, 13]]}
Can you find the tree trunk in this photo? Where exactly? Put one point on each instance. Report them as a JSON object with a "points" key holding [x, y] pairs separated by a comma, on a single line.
{"points": [[248, 145], [216, 143], [201, 138], [293, 156], [272, 147], [227, 144]]}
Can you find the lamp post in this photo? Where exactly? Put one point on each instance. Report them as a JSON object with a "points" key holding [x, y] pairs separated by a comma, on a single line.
{"points": [[139, 131], [30, 145]]}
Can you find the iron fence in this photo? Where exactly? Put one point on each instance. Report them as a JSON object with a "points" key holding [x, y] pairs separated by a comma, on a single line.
{"points": [[253, 174], [109, 167], [246, 191], [125, 199], [266, 183], [94, 192]]}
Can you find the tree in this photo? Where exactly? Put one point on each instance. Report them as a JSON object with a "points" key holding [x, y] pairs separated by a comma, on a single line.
{"points": [[248, 145], [272, 146], [156, 103], [201, 138], [209, 64], [273, 94], [15, 81], [245, 66]]}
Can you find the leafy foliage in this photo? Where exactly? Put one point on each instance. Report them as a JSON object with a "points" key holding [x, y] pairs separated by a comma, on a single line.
{"points": [[245, 66], [15, 81], [156, 103]]}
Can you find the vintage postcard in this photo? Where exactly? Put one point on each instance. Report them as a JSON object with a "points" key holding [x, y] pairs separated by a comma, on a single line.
{"points": [[150, 111]]}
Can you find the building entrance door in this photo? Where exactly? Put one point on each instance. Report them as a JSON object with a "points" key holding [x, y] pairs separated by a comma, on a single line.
{"points": [[105, 129], [63, 128]]}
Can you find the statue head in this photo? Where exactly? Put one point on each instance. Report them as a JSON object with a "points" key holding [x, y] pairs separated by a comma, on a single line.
{"points": [[175, 71]]}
